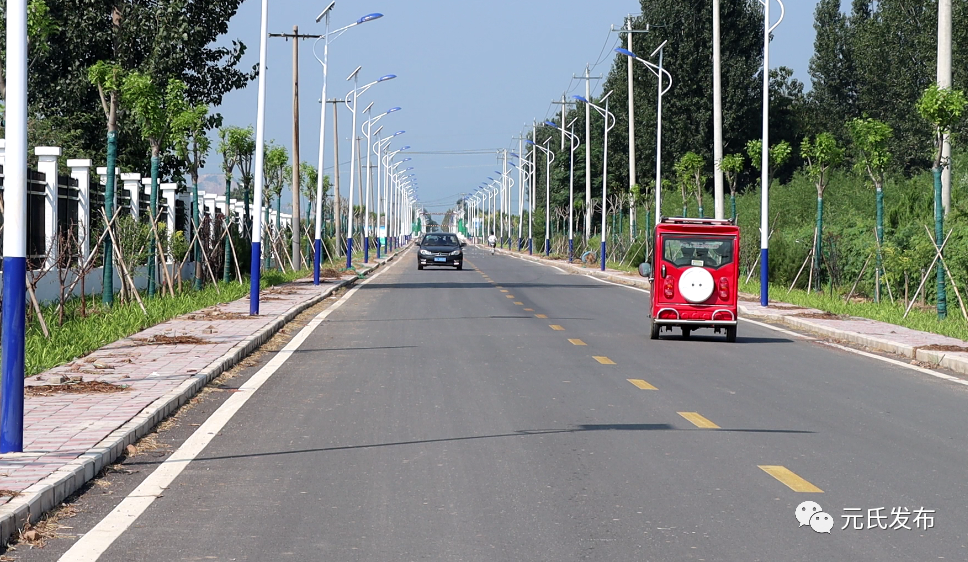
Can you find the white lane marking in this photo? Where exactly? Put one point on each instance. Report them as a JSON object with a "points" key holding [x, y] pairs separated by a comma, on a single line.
{"points": [[96, 541], [936, 374], [778, 329], [606, 281]]}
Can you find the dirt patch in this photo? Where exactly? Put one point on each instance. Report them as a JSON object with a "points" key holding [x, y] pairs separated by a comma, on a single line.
{"points": [[162, 339], [330, 273], [219, 315], [936, 347], [8, 494], [820, 315], [73, 387]]}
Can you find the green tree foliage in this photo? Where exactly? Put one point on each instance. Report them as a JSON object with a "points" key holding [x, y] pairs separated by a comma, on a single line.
{"points": [[165, 39], [942, 108], [691, 179], [276, 171]]}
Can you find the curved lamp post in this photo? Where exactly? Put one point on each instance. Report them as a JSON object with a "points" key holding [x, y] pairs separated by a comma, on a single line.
{"points": [[378, 149], [607, 115], [575, 142], [549, 158], [369, 148], [659, 72], [327, 38], [354, 94]]}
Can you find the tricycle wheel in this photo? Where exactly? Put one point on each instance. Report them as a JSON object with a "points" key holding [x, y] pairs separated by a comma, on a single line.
{"points": [[655, 331], [731, 334], [686, 332]]}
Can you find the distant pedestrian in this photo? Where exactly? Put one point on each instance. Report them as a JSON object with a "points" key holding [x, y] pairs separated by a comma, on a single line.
{"points": [[492, 242]]}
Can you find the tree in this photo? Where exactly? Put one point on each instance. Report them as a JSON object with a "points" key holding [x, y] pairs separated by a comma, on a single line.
{"points": [[779, 155], [689, 175], [228, 164], [40, 25], [820, 155], [732, 166], [871, 138], [108, 79], [942, 108], [154, 111], [192, 145], [166, 39], [834, 94], [276, 174]]}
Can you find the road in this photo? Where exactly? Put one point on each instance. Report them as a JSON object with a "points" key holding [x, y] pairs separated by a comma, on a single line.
{"points": [[512, 412]]}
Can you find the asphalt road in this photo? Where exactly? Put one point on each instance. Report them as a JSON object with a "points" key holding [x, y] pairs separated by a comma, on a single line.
{"points": [[512, 412]]}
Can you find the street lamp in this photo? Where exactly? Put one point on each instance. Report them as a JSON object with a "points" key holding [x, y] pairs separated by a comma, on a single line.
{"points": [[369, 175], [606, 114], [378, 149], [549, 158], [575, 142], [765, 165], [355, 93], [659, 72], [317, 242], [255, 271]]}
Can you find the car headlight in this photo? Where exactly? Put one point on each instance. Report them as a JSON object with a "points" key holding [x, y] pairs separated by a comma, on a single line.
{"points": [[425, 253], [455, 253]]}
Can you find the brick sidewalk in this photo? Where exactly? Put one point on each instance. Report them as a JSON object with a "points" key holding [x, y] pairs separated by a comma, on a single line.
{"points": [[933, 349], [69, 438]]}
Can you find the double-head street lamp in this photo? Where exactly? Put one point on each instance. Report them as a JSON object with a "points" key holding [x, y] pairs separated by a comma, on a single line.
{"points": [[549, 158], [575, 142], [351, 99], [324, 61], [607, 115], [659, 72]]}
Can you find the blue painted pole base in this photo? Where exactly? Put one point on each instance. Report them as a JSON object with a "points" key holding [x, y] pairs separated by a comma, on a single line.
{"points": [[378, 245], [571, 250], [13, 341], [366, 249], [317, 257], [603, 255], [349, 252], [547, 247], [255, 278], [520, 243], [530, 246], [764, 277]]}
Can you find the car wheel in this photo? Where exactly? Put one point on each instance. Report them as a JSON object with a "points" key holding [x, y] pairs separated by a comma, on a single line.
{"points": [[731, 334], [460, 267], [655, 331], [686, 332], [419, 267]]}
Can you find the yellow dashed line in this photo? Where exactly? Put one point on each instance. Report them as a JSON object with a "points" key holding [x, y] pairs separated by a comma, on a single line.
{"points": [[698, 420], [577, 342], [557, 328], [509, 296], [603, 360], [540, 315], [792, 481], [529, 310], [519, 303], [642, 384], [504, 290]]}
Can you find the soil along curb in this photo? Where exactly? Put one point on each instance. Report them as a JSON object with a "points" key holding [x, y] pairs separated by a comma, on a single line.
{"points": [[933, 349], [50, 490]]}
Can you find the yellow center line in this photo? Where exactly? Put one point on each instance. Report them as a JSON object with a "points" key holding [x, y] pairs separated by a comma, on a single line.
{"points": [[509, 296], [603, 360], [557, 328], [642, 384], [698, 421], [792, 481], [504, 290], [577, 342], [519, 303], [541, 315], [529, 310]]}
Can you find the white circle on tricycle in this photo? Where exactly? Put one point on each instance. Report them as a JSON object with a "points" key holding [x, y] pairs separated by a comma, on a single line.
{"points": [[696, 284]]}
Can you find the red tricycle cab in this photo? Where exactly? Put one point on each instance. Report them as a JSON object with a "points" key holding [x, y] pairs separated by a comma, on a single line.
{"points": [[694, 275]]}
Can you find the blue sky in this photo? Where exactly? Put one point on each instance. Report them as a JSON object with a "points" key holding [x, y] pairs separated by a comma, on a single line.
{"points": [[471, 75]]}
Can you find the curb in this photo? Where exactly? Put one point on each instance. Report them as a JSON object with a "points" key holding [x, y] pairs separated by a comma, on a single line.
{"points": [[947, 360], [46, 494]]}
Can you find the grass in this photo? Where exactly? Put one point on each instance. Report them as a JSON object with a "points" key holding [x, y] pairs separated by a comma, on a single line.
{"points": [[924, 320], [80, 335]]}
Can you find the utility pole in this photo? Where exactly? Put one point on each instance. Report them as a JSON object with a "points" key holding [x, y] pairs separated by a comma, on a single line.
{"points": [[944, 81], [296, 219], [564, 103], [588, 153], [337, 211]]}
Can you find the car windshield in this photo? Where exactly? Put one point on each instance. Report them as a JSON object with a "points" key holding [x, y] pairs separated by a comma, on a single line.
{"points": [[440, 240], [698, 251]]}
